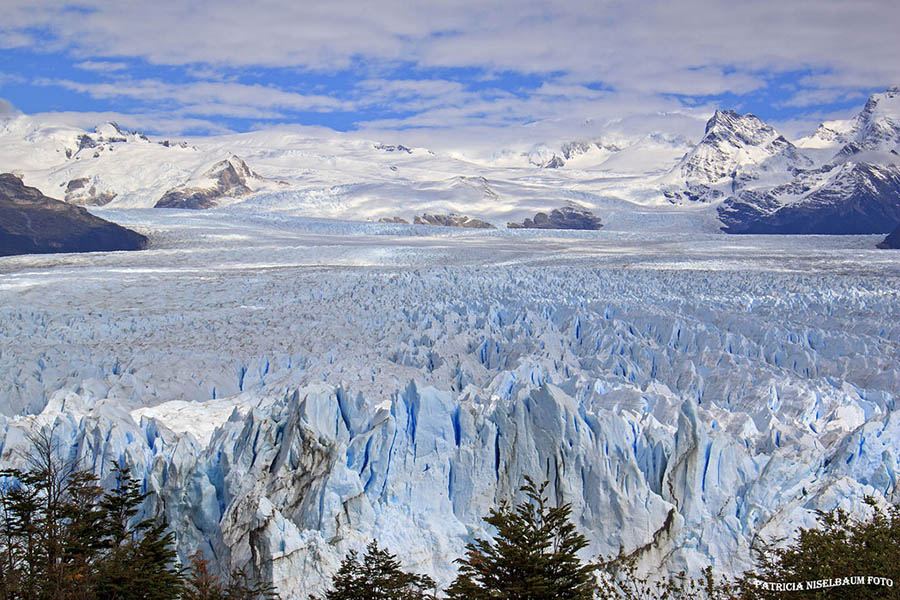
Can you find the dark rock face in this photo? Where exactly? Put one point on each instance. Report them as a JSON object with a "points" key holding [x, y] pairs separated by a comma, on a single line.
{"points": [[892, 241], [193, 199], [860, 199], [395, 220], [452, 220], [554, 163], [230, 177], [566, 217], [32, 223]]}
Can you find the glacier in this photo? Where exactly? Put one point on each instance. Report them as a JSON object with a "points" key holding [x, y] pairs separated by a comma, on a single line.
{"points": [[289, 388]]}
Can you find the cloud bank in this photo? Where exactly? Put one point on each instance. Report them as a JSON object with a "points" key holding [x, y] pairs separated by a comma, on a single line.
{"points": [[459, 64]]}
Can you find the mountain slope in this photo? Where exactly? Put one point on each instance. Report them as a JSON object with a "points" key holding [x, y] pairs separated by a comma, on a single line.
{"points": [[856, 192], [854, 198], [31, 223]]}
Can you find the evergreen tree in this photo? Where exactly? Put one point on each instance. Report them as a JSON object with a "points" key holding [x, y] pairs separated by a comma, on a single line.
{"points": [[842, 547], [139, 559], [377, 576], [533, 555]]}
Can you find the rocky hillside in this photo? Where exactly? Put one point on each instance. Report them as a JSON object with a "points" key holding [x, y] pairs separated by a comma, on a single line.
{"points": [[32, 223]]}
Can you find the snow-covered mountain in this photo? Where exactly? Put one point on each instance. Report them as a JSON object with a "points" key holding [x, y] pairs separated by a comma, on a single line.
{"points": [[736, 151], [741, 171], [229, 178], [875, 128], [857, 190], [846, 198]]}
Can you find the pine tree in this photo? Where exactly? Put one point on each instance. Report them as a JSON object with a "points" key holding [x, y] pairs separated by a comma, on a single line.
{"points": [[533, 555], [140, 560], [377, 576]]}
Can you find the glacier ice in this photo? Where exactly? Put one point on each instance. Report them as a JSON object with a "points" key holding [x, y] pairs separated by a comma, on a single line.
{"points": [[296, 387]]}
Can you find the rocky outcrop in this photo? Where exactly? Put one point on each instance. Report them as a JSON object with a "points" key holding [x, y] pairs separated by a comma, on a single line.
{"points": [[83, 191], [451, 220], [225, 179], [394, 220], [32, 223], [393, 148], [892, 241], [566, 217]]}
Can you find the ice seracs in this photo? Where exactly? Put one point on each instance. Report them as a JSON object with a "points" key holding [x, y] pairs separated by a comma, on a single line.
{"points": [[689, 397]]}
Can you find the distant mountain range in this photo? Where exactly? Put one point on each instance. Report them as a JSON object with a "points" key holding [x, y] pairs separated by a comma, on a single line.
{"points": [[842, 179]]}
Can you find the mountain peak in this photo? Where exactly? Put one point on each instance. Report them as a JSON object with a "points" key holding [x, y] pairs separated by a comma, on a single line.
{"points": [[737, 148], [747, 126]]}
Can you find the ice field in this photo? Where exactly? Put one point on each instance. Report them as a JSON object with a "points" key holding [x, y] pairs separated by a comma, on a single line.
{"points": [[293, 387]]}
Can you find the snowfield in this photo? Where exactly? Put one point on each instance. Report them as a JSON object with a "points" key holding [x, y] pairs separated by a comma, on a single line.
{"points": [[292, 387]]}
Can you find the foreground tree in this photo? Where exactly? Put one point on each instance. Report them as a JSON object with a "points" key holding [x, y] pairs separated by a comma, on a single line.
{"points": [[63, 538], [533, 555], [843, 547], [377, 576]]}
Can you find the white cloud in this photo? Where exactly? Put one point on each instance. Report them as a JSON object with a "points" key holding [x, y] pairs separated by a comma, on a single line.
{"points": [[641, 52], [229, 96], [655, 46], [102, 66], [162, 123]]}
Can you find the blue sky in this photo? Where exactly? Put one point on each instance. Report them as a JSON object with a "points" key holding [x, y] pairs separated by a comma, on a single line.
{"points": [[457, 68]]}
